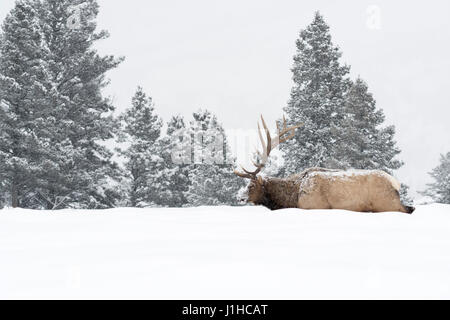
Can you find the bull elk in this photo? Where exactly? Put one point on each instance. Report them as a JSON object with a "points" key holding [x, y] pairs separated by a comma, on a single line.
{"points": [[319, 188]]}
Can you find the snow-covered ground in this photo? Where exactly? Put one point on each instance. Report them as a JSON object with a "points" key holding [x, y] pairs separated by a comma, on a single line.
{"points": [[224, 253]]}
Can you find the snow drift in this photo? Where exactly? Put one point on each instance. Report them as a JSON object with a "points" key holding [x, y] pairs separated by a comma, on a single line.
{"points": [[224, 253]]}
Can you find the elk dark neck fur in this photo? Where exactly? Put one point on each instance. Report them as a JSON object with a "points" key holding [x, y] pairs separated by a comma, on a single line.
{"points": [[280, 193]]}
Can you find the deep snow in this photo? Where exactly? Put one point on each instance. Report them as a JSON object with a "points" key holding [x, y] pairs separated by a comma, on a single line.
{"points": [[224, 253]]}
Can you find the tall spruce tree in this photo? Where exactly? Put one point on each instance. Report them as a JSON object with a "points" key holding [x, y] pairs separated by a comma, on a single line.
{"points": [[143, 161], [212, 181], [176, 152], [367, 145], [78, 167], [21, 103], [439, 190], [55, 117], [317, 101]]}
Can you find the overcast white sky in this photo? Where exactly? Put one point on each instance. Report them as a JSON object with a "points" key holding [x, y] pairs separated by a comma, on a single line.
{"points": [[234, 58]]}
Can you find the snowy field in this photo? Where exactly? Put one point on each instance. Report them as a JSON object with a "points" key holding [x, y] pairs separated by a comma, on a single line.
{"points": [[224, 253]]}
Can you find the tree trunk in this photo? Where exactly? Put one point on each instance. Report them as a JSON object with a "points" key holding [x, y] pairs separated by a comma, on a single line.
{"points": [[14, 196]]}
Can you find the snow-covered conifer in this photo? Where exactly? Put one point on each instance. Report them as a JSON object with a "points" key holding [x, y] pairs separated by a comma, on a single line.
{"points": [[177, 154], [439, 190], [317, 101], [22, 106], [368, 145], [212, 181], [143, 161], [79, 170], [53, 115], [405, 196]]}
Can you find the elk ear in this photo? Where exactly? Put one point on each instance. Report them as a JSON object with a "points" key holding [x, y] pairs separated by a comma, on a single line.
{"points": [[260, 180]]}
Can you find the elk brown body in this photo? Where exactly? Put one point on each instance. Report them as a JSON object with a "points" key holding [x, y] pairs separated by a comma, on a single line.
{"points": [[320, 188]]}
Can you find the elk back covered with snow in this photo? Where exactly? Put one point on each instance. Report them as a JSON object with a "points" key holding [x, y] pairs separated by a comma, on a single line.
{"points": [[318, 188]]}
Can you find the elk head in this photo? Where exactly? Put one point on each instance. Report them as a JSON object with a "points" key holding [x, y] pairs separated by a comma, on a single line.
{"points": [[256, 190]]}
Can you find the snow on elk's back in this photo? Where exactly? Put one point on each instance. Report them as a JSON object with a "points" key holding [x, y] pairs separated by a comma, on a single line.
{"points": [[224, 253], [352, 173]]}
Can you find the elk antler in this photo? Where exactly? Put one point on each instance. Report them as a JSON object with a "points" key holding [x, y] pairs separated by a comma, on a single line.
{"points": [[268, 147]]}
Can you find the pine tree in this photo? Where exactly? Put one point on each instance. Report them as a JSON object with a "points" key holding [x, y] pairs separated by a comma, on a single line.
{"points": [[367, 144], [51, 79], [211, 174], [21, 103], [439, 190], [405, 196], [317, 101], [143, 162], [176, 152], [78, 168]]}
